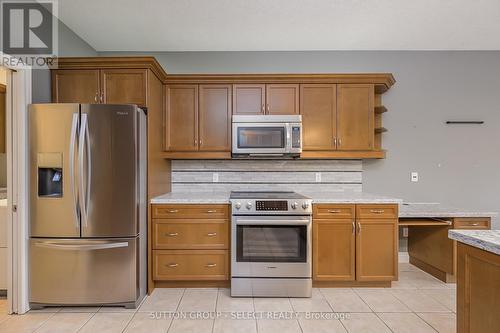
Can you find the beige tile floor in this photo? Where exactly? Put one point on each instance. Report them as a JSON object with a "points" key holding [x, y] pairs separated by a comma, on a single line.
{"points": [[416, 303]]}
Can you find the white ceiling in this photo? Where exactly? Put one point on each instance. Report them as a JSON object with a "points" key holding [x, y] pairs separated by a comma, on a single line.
{"points": [[257, 25]]}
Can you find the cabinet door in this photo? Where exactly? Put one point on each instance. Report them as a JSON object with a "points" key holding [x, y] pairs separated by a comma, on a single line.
{"points": [[181, 118], [333, 250], [124, 86], [215, 118], [355, 116], [282, 99], [75, 86], [318, 105], [249, 99], [376, 250]]}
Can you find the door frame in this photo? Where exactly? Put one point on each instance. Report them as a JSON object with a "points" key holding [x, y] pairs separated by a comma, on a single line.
{"points": [[18, 98]]}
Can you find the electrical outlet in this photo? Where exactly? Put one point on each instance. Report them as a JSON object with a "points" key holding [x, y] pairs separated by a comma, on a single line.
{"points": [[318, 177], [414, 176], [215, 177], [405, 232]]}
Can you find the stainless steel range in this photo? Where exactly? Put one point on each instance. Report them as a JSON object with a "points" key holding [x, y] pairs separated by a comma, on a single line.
{"points": [[271, 244]]}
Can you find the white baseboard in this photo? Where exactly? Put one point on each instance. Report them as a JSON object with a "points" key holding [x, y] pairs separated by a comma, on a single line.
{"points": [[403, 257]]}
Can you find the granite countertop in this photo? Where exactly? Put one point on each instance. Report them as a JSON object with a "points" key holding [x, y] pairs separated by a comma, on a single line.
{"points": [[437, 210], [318, 197], [488, 240]]}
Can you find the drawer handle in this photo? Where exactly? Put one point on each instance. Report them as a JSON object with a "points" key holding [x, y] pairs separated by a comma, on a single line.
{"points": [[377, 211], [172, 265], [212, 211], [211, 265], [474, 224], [173, 211], [212, 234], [334, 211], [172, 234]]}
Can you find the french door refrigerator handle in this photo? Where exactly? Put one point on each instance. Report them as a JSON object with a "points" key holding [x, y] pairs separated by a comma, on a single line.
{"points": [[81, 185], [72, 142], [89, 167], [81, 247]]}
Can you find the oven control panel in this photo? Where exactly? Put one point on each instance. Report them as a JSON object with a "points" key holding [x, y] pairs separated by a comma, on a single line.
{"points": [[267, 207], [271, 205]]}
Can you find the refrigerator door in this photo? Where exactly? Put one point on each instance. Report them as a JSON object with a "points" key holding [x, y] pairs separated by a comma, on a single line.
{"points": [[108, 158], [84, 272], [53, 130]]}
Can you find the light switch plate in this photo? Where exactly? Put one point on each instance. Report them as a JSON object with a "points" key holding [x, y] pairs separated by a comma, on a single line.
{"points": [[215, 177], [318, 177], [414, 176]]}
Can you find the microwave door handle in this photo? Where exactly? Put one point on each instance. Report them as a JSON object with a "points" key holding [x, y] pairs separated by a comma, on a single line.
{"points": [[72, 143], [288, 137]]}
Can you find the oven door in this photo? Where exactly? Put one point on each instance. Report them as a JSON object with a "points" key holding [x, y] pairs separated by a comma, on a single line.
{"points": [[261, 138], [271, 246]]}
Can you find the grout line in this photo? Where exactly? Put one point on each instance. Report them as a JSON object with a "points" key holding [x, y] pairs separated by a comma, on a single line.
{"points": [[215, 310], [90, 318], [43, 322], [176, 309]]}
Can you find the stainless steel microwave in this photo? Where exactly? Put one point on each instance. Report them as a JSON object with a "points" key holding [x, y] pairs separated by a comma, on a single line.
{"points": [[267, 136]]}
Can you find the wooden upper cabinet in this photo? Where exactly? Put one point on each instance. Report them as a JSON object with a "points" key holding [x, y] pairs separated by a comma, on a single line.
{"points": [[249, 99], [318, 106], [75, 86], [124, 86], [376, 249], [334, 250], [355, 116], [215, 117], [282, 99], [181, 117]]}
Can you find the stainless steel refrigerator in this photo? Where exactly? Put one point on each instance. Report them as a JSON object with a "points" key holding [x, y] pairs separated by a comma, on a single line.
{"points": [[87, 204]]}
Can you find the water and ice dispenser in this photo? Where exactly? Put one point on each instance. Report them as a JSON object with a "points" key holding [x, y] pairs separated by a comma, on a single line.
{"points": [[50, 175]]}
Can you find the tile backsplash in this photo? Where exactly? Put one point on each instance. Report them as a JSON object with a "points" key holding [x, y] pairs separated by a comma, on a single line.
{"points": [[254, 175]]}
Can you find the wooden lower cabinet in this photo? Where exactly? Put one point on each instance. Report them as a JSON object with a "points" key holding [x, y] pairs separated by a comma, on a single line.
{"points": [[360, 250], [334, 250], [190, 242], [190, 265], [478, 290], [376, 250]]}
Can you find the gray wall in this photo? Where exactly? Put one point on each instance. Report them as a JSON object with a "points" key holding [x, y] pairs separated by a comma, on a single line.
{"points": [[458, 165], [70, 45]]}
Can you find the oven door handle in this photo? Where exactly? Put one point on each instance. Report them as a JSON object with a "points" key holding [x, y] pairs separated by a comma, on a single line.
{"points": [[272, 222]]}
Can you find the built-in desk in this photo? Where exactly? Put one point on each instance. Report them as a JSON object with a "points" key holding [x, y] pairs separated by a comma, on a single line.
{"points": [[429, 247]]}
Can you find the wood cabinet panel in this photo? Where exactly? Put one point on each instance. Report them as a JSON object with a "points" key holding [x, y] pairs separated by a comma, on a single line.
{"points": [[124, 86], [195, 211], [376, 250], [478, 292], [330, 211], [376, 211], [190, 234], [334, 250], [215, 118], [249, 99], [471, 223], [75, 86], [190, 265], [282, 99], [355, 116], [182, 117], [318, 107]]}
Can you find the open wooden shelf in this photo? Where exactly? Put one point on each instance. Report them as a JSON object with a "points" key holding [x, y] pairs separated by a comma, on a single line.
{"points": [[380, 109], [380, 130], [412, 222]]}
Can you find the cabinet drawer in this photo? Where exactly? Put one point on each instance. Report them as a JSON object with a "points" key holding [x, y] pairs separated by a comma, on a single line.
{"points": [[376, 211], [333, 211], [190, 234], [190, 211], [190, 265], [471, 223]]}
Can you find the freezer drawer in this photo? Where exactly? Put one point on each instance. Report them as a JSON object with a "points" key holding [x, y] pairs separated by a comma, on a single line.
{"points": [[84, 272]]}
